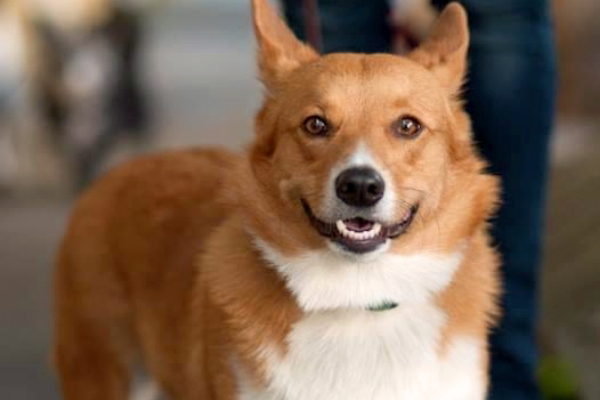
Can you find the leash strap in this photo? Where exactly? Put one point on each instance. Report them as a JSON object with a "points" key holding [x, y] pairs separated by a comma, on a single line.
{"points": [[312, 24]]}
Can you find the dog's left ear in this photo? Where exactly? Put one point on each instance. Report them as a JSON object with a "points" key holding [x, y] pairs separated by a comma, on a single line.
{"points": [[444, 52], [279, 51]]}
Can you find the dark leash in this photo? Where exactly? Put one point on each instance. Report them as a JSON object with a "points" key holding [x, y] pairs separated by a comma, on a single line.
{"points": [[312, 25]]}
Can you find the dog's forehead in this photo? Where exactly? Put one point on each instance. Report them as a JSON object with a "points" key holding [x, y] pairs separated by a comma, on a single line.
{"points": [[372, 80]]}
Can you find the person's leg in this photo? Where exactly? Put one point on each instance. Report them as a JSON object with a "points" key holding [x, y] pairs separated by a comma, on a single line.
{"points": [[350, 25], [510, 97]]}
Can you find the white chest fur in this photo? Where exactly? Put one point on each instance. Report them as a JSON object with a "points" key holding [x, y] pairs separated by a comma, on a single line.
{"points": [[341, 351], [365, 355], [327, 280]]}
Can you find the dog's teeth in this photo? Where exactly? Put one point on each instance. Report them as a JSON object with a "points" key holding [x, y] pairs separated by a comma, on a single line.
{"points": [[353, 235], [366, 235], [341, 227], [376, 229]]}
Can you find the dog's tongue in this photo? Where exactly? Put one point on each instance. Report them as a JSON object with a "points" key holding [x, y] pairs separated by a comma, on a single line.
{"points": [[358, 224]]}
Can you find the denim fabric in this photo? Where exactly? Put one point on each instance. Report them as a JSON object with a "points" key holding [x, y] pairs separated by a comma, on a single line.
{"points": [[510, 96], [346, 26]]}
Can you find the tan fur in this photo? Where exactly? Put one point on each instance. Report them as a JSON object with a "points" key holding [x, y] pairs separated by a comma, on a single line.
{"points": [[159, 259], [70, 15]]}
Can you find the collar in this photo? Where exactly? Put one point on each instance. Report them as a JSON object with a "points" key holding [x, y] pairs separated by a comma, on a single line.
{"points": [[383, 306]]}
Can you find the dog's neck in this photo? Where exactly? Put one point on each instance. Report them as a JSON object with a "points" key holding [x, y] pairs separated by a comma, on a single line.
{"points": [[324, 280]]}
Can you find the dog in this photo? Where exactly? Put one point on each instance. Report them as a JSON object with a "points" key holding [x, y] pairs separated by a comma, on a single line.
{"points": [[345, 255], [76, 88], [87, 88]]}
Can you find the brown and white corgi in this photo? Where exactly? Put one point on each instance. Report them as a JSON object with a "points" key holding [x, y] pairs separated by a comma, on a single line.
{"points": [[344, 256]]}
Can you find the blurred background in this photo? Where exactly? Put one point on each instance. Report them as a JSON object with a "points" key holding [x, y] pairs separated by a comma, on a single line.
{"points": [[85, 84]]}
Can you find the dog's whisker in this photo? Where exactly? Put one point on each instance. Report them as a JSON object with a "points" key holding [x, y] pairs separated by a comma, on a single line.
{"points": [[413, 189], [405, 203]]}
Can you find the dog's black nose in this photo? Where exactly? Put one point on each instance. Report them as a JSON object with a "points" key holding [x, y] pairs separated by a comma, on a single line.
{"points": [[360, 186]]}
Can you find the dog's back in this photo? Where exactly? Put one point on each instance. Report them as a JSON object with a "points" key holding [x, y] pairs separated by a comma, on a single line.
{"points": [[127, 257]]}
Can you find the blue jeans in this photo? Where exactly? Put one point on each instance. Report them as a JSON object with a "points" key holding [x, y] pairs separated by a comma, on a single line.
{"points": [[510, 97]]}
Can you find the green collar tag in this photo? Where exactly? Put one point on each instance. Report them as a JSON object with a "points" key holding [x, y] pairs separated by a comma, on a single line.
{"points": [[386, 305]]}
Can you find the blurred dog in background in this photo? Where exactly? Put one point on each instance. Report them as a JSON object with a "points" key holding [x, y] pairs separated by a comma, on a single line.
{"points": [[78, 89]]}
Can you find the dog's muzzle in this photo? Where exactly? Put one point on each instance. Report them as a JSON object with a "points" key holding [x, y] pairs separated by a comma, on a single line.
{"points": [[357, 234]]}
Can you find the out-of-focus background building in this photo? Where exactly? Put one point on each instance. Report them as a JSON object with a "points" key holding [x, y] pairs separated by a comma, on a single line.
{"points": [[84, 85]]}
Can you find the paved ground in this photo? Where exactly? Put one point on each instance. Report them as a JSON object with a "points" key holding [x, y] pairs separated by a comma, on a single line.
{"points": [[571, 279], [200, 67], [28, 235]]}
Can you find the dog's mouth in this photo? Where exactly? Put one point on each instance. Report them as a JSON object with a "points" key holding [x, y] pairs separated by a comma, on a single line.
{"points": [[360, 235]]}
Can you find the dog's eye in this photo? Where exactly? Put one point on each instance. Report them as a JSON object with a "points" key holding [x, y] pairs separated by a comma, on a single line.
{"points": [[407, 127], [316, 126]]}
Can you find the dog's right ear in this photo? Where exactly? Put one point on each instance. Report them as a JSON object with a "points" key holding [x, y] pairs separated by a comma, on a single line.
{"points": [[279, 51], [444, 52]]}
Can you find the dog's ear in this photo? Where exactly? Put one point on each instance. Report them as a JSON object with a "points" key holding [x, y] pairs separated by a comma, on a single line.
{"points": [[444, 52], [279, 51]]}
